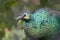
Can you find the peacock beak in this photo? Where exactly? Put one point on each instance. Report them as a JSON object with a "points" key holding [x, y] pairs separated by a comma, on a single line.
{"points": [[19, 17]]}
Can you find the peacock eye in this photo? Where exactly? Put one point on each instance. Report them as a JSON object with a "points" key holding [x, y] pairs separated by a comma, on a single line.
{"points": [[26, 16]]}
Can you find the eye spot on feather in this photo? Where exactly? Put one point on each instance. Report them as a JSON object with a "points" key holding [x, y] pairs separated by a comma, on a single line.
{"points": [[37, 15], [46, 20], [43, 23], [35, 27]]}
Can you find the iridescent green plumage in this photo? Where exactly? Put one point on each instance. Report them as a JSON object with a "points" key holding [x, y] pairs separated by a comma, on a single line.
{"points": [[41, 24]]}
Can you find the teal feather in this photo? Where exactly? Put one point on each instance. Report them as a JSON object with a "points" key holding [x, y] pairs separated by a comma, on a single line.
{"points": [[41, 24]]}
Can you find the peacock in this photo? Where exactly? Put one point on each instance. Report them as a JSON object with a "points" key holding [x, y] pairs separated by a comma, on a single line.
{"points": [[39, 25]]}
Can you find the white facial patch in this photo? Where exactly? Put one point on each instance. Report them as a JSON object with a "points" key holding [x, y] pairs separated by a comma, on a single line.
{"points": [[27, 16]]}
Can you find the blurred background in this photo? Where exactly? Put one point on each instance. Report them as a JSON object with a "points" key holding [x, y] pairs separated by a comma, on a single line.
{"points": [[10, 9]]}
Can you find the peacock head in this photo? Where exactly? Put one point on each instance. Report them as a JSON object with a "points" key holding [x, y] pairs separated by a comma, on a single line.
{"points": [[25, 16]]}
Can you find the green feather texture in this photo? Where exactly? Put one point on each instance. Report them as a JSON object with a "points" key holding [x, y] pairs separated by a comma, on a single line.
{"points": [[42, 23]]}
